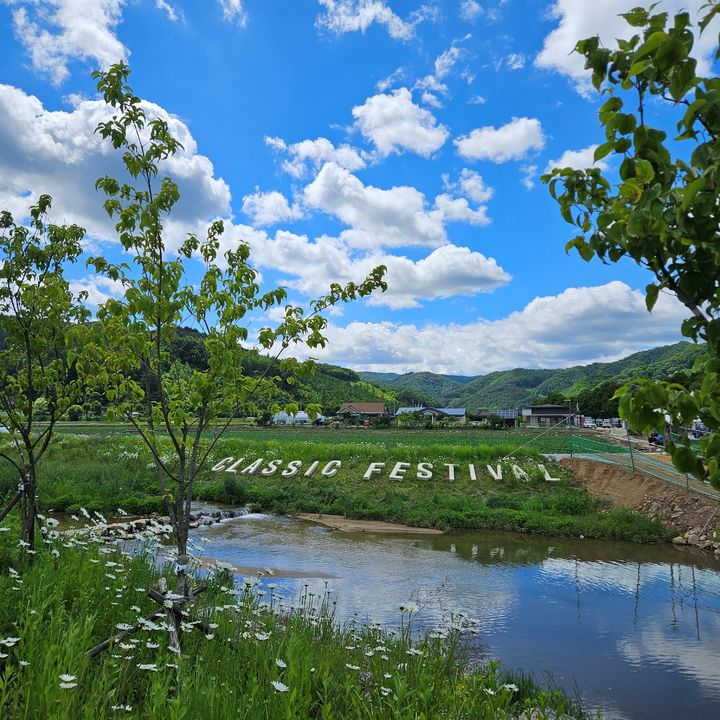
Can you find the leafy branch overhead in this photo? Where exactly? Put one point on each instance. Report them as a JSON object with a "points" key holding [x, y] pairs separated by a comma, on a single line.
{"points": [[658, 205]]}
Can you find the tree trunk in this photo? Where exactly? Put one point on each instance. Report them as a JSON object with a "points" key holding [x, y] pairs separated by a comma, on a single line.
{"points": [[28, 509]]}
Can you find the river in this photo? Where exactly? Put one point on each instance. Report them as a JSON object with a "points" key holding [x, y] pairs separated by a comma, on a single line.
{"points": [[634, 630]]}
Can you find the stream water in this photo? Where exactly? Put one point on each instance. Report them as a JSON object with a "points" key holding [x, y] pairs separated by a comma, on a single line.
{"points": [[634, 630]]}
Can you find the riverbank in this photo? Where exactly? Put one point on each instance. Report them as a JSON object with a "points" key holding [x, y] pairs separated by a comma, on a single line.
{"points": [[694, 516], [337, 522]]}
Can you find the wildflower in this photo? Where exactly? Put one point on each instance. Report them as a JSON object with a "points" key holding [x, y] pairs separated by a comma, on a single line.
{"points": [[280, 663], [10, 641], [23, 543], [148, 666], [490, 691], [4, 529], [511, 686], [385, 691], [24, 663], [152, 645], [55, 552], [280, 687], [414, 651], [68, 685], [351, 667], [123, 708], [262, 636], [123, 626], [387, 676], [67, 678]]}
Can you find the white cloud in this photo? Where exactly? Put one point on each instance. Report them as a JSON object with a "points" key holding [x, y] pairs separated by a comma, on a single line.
{"points": [[470, 10], [344, 16], [579, 19], [577, 159], [509, 142], [378, 218], [98, 288], [473, 186], [477, 100], [311, 266], [234, 12], [172, 13], [57, 152], [515, 61], [312, 154], [269, 208], [577, 326], [394, 123], [54, 32], [445, 62], [529, 175], [433, 100]]}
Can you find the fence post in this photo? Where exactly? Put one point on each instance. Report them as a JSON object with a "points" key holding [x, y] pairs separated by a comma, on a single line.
{"points": [[571, 436], [632, 457]]}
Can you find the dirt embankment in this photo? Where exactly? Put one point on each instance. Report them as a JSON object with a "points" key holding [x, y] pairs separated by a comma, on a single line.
{"points": [[672, 505], [338, 522]]}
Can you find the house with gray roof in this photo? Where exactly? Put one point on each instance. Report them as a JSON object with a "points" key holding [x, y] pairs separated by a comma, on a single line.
{"points": [[435, 413]]}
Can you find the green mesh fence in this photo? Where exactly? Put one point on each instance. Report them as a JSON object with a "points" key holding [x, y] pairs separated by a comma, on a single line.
{"points": [[589, 446]]}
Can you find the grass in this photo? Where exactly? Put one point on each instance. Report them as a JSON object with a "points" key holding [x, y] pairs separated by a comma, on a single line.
{"points": [[106, 472], [265, 658]]}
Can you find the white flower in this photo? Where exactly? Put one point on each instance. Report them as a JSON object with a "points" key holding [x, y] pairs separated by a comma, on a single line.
{"points": [[490, 691], [68, 685], [351, 667], [262, 636], [148, 666], [123, 626], [387, 676], [385, 691], [24, 663], [67, 678], [280, 687], [10, 641], [511, 686], [280, 663]]}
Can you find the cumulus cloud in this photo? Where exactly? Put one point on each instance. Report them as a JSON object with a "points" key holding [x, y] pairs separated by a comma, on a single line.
{"points": [[55, 152], [577, 159], [311, 265], [57, 31], [99, 289], [578, 19], [344, 16], [234, 11], [394, 123], [470, 184], [312, 154], [577, 326], [377, 217], [269, 208], [512, 141]]}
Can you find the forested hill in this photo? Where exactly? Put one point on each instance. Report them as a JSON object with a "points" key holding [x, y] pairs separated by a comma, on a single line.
{"points": [[328, 386], [510, 388]]}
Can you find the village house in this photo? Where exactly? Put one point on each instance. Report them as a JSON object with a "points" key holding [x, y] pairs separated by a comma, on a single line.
{"points": [[361, 410], [541, 416], [435, 413]]}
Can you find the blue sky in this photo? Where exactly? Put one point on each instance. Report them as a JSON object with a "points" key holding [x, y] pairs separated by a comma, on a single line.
{"points": [[334, 135]]}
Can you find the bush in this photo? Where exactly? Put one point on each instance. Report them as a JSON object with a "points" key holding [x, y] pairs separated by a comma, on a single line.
{"points": [[75, 412]]}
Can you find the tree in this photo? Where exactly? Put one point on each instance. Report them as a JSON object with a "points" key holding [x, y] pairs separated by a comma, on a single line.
{"points": [[41, 326], [187, 407], [662, 209]]}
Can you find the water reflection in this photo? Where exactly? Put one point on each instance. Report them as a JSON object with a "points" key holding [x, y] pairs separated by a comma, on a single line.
{"points": [[635, 628]]}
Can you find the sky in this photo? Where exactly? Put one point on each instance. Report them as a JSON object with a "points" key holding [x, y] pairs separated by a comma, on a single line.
{"points": [[337, 135]]}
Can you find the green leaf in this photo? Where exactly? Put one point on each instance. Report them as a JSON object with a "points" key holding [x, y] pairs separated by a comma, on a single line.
{"points": [[651, 295]]}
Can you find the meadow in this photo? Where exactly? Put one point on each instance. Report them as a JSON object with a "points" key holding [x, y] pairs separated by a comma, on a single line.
{"points": [[107, 471]]}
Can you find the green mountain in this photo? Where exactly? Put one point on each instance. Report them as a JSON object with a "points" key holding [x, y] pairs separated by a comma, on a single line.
{"points": [[510, 388]]}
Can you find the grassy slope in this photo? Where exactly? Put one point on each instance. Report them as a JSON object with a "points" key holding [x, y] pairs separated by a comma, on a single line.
{"points": [[105, 473], [509, 388]]}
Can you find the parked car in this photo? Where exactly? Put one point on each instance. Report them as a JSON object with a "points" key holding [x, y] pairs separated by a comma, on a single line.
{"points": [[588, 423]]}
